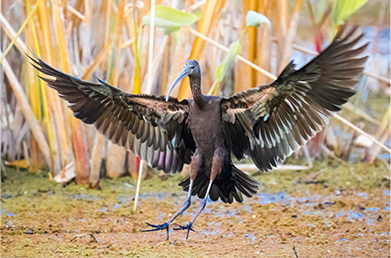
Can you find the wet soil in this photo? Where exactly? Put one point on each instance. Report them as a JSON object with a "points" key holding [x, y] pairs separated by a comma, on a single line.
{"points": [[331, 210]]}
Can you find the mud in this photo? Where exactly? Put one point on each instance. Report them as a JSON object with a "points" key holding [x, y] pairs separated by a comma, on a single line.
{"points": [[330, 210]]}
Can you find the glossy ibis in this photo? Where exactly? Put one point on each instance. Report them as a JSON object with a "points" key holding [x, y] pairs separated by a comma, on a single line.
{"points": [[267, 123]]}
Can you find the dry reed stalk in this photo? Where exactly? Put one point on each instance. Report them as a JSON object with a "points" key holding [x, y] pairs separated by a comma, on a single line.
{"points": [[380, 19], [133, 29], [9, 31], [343, 120], [96, 62], [54, 104], [179, 57], [80, 154], [316, 28], [31, 34], [108, 9], [264, 53], [148, 89], [281, 28], [118, 41], [116, 155], [287, 52], [96, 160], [75, 12], [361, 113], [253, 42], [165, 67], [26, 21], [205, 24], [383, 134], [28, 113]]}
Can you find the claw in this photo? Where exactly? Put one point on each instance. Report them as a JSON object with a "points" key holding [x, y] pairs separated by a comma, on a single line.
{"points": [[163, 226], [189, 228]]}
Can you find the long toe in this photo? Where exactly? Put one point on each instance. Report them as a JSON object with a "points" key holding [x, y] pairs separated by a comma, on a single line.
{"points": [[163, 226], [188, 227], [155, 227]]}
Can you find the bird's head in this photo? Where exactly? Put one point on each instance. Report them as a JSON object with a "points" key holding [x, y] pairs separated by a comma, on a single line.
{"points": [[191, 68]]}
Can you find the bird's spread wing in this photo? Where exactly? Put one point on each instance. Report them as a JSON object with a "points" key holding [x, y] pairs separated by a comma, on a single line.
{"points": [[269, 122], [154, 129]]}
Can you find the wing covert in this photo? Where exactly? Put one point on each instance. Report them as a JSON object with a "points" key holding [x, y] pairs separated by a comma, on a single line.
{"points": [[154, 129]]}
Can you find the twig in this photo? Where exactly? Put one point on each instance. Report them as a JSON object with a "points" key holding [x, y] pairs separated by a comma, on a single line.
{"points": [[148, 91], [294, 250], [90, 234], [79, 236], [75, 12], [111, 230], [127, 43]]}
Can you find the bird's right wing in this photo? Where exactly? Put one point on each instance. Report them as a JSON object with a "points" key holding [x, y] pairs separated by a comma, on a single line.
{"points": [[271, 121], [154, 129]]}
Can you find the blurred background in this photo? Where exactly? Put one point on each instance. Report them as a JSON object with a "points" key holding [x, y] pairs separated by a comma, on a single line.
{"points": [[110, 40]]}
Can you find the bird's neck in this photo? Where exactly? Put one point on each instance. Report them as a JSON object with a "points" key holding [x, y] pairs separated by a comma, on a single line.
{"points": [[195, 85]]}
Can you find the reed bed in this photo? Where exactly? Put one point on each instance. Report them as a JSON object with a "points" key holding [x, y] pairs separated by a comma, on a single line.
{"points": [[112, 40]]}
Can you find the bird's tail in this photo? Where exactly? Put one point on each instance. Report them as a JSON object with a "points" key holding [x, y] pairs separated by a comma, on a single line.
{"points": [[229, 185]]}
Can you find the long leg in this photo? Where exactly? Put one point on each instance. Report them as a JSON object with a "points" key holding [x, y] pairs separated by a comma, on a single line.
{"points": [[195, 163], [218, 161], [189, 226]]}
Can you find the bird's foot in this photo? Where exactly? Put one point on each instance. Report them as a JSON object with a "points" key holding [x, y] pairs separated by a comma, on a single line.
{"points": [[189, 228], [164, 226]]}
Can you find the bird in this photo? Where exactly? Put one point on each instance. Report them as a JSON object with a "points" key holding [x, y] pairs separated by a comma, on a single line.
{"points": [[267, 123]]}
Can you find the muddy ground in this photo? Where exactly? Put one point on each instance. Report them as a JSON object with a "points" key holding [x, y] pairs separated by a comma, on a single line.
{"points": [[331, 210]]}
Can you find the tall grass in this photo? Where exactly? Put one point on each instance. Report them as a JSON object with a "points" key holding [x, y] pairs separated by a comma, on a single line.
{"points": [[108, 39]]}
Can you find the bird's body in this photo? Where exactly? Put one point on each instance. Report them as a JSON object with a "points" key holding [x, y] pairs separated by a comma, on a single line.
{"points": [[206, 124], [267, 123]]}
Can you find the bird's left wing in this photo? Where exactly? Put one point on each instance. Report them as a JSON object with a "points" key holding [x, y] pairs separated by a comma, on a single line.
{"points": [[154, 129], [269, 122]]}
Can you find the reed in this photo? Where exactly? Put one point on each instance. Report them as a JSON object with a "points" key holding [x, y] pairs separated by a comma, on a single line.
{"points": [[109, 39]]}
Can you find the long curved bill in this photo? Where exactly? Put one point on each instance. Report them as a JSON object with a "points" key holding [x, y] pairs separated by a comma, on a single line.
{"points": [[182, 75]]}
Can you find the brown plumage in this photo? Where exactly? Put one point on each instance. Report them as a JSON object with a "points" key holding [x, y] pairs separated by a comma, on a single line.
{"points": [[267, 123]]}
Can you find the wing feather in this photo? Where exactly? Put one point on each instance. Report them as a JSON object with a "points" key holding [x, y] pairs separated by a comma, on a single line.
{"points": [[275, 120], [154, 129]]}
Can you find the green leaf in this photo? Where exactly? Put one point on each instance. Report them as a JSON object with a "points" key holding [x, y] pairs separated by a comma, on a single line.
{"points": [[343, 9], [256, 19], [228, 61], [170, 19]]}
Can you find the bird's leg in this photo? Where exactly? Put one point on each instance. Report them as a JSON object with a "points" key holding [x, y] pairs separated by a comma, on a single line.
{"points": [[166, 224], [189, 226], [193, 172], [217, 164]]}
